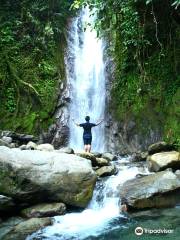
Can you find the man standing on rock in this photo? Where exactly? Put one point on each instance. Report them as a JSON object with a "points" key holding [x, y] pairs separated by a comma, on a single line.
{"points": [[87, 135]]}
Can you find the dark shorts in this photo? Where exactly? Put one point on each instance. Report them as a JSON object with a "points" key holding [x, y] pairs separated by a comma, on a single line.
{"points": [[87, 140]]}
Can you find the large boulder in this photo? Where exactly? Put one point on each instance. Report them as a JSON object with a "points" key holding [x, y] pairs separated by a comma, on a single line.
{"points": [[31, 176], [44, 210], [159, 147], [157, 190], [25, 228], [163, 160]]}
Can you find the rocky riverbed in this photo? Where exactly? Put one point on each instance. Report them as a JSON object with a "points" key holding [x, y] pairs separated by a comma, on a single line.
{"points": [[38, 182]]}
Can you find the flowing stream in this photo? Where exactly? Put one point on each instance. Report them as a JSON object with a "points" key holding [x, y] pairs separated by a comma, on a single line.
{"points": [[102, 214], [86, 79]]}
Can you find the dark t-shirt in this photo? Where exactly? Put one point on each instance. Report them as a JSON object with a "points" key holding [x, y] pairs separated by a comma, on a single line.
{"points": [[87, 129]]}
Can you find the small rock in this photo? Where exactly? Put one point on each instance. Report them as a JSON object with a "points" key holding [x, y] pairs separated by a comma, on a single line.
{"points": [[12, 145], [177, 172], [95, 161], [31, 146], [159, 147], [139, 157], [164, 160], [109, 156], [44, 210], [123, 208], [6, 203], [106, 171], [45, 147], [23, 147], [7, 139], [25, 228], [102, 162], [144, 156], [88, 156], [97, 154], [3, 143], [23, 138], [67, 150]]}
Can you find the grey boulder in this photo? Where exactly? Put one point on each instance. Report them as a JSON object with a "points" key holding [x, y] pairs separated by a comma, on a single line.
{"points": [[30, 146], [102, 162], [7, 139], [44, 210], [45, 147], [25, 228], [161, 161], [30, 176], [106, 171], [157, 190], [109, 156], [159, 147]]}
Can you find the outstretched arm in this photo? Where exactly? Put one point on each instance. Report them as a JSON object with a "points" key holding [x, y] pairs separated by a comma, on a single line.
{"points": [[77, 124], [99, 122]]}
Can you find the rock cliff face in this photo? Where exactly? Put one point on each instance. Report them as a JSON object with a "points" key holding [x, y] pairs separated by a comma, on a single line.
{"points": [[34, 176], [128, 134], [125, 137], [61, 133]]}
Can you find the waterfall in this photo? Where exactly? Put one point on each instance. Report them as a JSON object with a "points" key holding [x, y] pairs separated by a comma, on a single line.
{"points": [[86, 80]]}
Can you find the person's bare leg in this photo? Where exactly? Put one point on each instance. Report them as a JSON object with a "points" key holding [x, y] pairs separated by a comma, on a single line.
{"points": [[86, 148], [89, 148]]}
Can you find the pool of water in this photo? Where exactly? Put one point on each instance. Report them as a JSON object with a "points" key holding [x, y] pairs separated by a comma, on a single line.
{"points": [[123, 227]]}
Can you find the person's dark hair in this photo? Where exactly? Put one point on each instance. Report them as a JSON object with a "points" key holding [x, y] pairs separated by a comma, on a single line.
{"points": [[87, 118]]}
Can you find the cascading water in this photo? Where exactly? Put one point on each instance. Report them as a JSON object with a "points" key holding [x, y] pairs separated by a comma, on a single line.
{"points": [[100, 217], [86, 78]]}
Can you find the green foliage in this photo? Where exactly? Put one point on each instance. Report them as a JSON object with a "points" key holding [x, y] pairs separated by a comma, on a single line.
{"points": [[172, 129], [10, 100], [30, 32]]}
